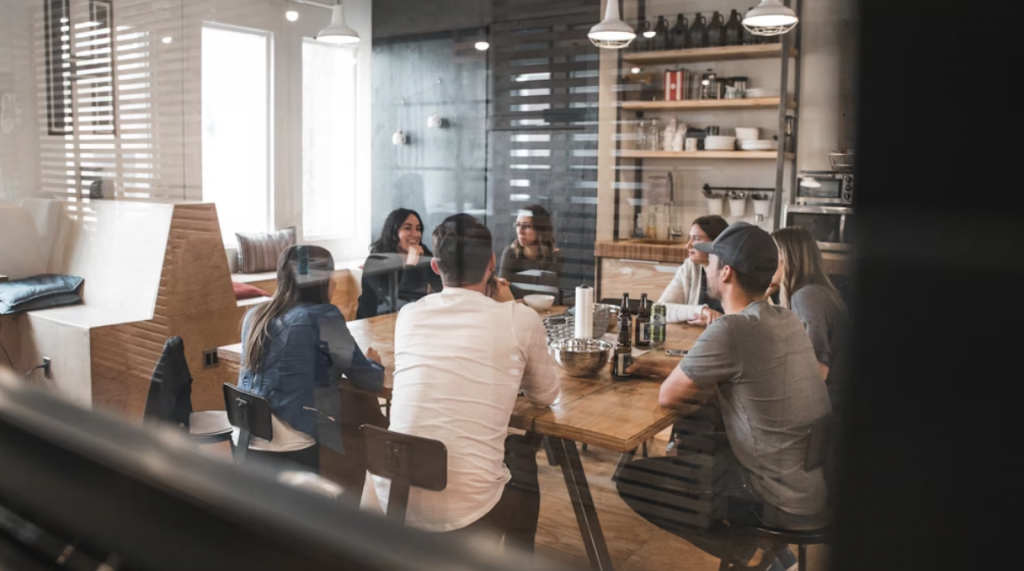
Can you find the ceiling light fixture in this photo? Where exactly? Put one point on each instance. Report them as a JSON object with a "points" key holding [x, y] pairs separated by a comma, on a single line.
{"points": [[291, 15], [770, 18], [338, 32], [650, 34], [612, 33], [634, 70], [167, 39], [482, 45]]}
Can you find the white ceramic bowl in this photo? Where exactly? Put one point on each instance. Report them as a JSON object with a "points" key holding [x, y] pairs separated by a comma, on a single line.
{"points": [[760, 145], [748, 133], [539, 301], [719, 143], [758, 92]]}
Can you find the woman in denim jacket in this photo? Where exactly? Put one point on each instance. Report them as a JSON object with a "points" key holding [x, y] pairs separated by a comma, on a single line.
{"points": [[295, 348]]}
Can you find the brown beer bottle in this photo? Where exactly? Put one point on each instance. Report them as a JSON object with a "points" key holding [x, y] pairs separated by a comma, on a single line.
{"points": [[643, 323], [623, 353]]}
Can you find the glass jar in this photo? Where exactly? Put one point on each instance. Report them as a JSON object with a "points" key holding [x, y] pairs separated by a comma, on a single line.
{"points": [[653, 135]]}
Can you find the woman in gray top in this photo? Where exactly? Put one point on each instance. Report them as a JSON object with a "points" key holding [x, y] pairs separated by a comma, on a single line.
{"points": [[534, 249], [804, 288]]}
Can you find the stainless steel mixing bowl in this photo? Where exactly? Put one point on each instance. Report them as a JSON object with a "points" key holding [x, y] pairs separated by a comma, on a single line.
{"points": [[581, 357]]}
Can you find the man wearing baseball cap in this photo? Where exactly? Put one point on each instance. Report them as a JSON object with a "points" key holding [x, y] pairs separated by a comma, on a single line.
{"points": [[759, 360]]}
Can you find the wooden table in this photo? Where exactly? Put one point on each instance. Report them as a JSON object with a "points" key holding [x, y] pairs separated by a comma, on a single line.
{"points": [[615, 415]]}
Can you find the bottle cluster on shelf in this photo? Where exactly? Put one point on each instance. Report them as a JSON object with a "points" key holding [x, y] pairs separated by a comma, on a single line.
{"points": [[698, 32]]}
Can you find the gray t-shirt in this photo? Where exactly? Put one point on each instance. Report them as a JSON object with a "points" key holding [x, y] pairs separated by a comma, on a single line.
{"points": [[770, 392], [823, 319]]}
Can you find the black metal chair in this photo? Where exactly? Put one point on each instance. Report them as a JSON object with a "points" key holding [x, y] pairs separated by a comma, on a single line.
{"points": [[407, 461], [251, 415], [170, 398], [820, 454]]}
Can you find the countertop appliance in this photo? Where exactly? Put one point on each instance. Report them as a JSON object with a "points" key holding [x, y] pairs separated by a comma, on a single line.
{"points": [[831, 226], [826, 188]]}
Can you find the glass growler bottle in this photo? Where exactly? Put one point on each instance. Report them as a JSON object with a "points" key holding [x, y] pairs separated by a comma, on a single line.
{"points": [[716, 30], [698, 37], [734, 30], [679, 33], [662, 35]]}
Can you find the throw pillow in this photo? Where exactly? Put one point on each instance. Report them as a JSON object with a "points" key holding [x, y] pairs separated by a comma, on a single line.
{"points": [[259, 252], [39, 292], [247, 291]]}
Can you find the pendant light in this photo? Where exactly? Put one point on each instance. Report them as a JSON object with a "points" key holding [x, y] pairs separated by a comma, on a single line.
{"points": [[338, 32], [612, 33], [770, 18]]}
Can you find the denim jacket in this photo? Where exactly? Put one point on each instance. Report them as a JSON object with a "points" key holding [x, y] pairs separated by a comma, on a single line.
{"points": [[310, 349]]}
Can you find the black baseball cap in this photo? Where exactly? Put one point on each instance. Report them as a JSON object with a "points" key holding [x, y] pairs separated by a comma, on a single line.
{"points": [[744, 247]]}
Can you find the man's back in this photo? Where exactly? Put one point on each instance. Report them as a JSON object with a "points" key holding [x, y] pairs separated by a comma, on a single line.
{"points": [[771, 392], [460, 358]]}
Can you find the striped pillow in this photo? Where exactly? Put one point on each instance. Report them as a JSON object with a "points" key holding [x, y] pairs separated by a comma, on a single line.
{"points": [[259, 252]]}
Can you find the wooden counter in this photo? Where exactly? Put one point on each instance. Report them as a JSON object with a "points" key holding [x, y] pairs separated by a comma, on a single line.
{"points": [[651, 251]]}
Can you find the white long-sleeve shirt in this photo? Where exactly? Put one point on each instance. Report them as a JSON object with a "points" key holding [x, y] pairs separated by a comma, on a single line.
{"points": [[682, 295], [460, 359]]}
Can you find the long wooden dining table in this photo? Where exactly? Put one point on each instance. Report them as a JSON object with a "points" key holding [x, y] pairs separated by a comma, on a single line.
{"points": [[596, 411]]}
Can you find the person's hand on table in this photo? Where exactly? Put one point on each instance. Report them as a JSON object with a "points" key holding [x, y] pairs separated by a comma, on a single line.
{"points": [[499, 290], [373, 355], [651, 368], [707, 317], [413, 257]]}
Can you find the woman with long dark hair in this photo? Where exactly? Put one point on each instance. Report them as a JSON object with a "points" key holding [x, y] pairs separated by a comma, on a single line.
{"points": [[805, 288], [533, 249], [686, 297], [397, 258], [295, 348]]}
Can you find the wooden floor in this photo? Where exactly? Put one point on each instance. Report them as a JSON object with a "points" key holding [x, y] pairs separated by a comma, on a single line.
{"points": [[634, 543]]}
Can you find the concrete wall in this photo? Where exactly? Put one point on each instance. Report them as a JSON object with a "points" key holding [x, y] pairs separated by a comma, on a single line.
{"points": [[19, 147], [405, 17]]}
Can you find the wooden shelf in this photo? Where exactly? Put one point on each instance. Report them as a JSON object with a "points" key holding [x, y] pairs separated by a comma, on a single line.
{"points": [[703, 104], [726, 53], [742, 155]]}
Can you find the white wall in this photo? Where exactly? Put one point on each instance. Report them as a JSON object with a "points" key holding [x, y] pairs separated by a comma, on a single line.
{"points": [[19, 149]]}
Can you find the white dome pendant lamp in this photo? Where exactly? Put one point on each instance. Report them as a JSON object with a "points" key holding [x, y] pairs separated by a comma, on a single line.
{"points": [[612, 33], [338, 32], [770, 18]]}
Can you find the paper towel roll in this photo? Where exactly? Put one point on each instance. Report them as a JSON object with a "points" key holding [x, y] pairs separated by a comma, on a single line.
{"points": [[584, 312]]}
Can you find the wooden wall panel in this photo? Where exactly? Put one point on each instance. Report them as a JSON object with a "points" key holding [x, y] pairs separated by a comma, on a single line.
{"points": [[195, 302]]}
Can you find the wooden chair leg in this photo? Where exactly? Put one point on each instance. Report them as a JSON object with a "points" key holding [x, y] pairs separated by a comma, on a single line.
{"points": [[644, 452]]}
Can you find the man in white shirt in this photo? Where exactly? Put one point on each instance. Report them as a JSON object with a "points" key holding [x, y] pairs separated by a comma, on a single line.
{"points": [[461, 356]]}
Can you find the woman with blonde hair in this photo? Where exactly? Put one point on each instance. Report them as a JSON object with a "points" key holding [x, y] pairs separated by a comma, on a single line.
{"points": [[805, 288]]}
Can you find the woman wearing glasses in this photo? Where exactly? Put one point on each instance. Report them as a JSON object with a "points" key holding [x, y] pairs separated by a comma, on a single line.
{"points": [[534, 253]]}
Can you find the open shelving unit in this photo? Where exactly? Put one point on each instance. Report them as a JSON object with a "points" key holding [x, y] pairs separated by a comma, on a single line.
{"points": [[787, 50], [705, 104], [740, 155], [724, 53]]}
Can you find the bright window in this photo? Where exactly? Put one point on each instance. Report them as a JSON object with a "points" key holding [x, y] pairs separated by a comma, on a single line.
{"points": [[237, 159], [328, 141]]}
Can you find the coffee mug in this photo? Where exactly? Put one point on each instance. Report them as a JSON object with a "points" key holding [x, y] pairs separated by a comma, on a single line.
{"points": [[691, 144]]}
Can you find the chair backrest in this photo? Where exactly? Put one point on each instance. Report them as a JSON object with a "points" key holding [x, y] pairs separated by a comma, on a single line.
{"points": [[248, 411], [407, 461], [170, 387]]}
